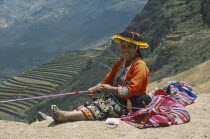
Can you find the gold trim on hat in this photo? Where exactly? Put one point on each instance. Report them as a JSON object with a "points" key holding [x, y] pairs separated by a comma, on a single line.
{"points": [[117, 38]]}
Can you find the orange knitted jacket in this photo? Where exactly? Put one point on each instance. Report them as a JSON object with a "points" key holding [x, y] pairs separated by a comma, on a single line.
{"points": [[136, 79]]}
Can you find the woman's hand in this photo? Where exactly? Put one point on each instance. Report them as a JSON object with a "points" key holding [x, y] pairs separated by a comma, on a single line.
{"points": [[106, 88], [102, 88], [93, 90]]}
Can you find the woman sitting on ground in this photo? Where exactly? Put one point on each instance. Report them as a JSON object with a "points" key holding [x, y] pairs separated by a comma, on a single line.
{"points": [[124, 88]]}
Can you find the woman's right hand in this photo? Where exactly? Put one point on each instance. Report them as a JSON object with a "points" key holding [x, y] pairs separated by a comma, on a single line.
{"points": [[93, 90]]}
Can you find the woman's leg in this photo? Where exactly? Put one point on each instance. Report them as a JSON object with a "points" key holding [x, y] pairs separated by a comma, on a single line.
{"points": [[64, 116]]}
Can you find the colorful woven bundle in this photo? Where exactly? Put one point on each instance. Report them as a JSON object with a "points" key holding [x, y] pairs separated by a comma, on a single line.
{"points": [[165, 109], [181, 92]]}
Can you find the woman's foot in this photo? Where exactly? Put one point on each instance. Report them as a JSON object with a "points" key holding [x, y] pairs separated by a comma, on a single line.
{"points": [[58, 115]]}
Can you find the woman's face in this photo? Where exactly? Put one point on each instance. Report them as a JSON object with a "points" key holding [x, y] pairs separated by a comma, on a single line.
{"points": [[128, 50]]}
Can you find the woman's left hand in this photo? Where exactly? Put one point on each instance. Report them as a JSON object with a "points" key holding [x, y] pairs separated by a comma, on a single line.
{"points": [[106, 88]]}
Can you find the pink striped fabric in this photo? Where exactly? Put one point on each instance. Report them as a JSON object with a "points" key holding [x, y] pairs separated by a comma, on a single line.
{"points": [[164, 110]]}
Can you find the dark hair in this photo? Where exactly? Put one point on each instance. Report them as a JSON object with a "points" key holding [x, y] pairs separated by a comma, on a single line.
{"points": [[139, 53]]}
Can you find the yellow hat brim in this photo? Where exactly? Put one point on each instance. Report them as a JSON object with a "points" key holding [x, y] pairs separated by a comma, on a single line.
{"points": [[118, 38]]}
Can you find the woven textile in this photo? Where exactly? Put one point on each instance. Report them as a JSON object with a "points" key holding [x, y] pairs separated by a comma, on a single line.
{"points": [[103, 107], [166, 108]]}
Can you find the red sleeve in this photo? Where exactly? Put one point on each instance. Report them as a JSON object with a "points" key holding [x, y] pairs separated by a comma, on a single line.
{"points": [[138, 79], [110, 76]]}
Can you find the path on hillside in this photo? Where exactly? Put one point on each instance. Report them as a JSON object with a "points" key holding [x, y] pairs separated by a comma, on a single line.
{"points": [[198, 127]]}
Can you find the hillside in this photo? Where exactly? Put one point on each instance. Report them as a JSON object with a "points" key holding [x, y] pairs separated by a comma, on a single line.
{"points": [[32, 32], [178, 33], [51, 77], [180, 48], [198, 127]]}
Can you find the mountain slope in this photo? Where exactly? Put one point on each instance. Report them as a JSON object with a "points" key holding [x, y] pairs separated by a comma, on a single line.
{"points": [[51, 77], [177, 33]]}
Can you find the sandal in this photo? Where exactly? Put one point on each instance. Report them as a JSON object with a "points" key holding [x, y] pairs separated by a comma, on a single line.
{"points": [[55, 113], [40, 116]]}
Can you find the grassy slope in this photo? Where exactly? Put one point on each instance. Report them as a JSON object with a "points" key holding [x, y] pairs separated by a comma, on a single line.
{"points": [[197, 76]]}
